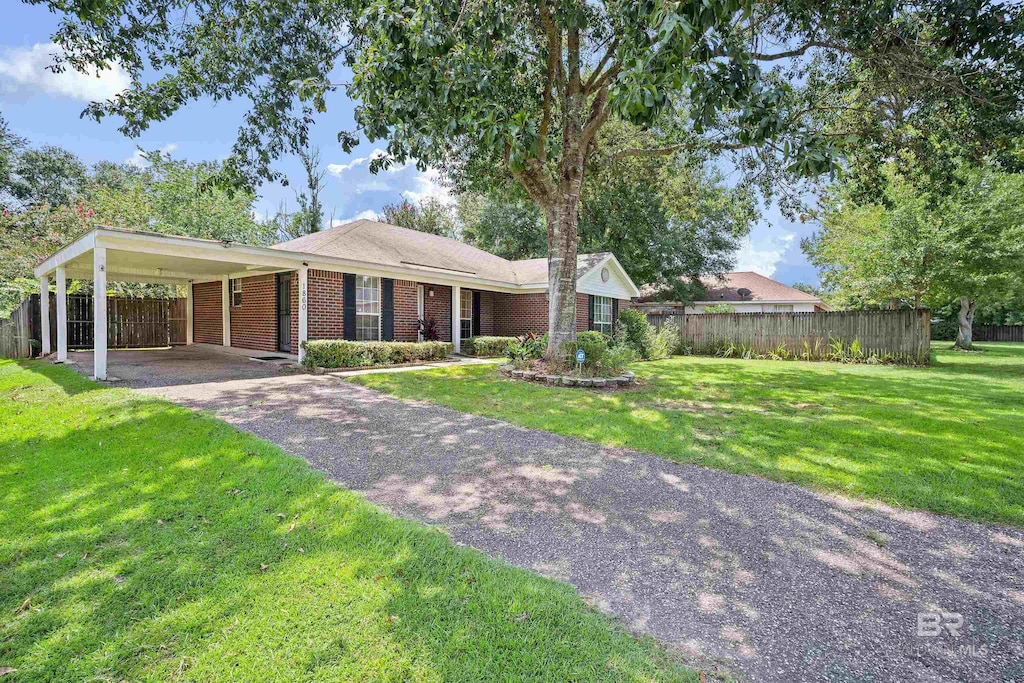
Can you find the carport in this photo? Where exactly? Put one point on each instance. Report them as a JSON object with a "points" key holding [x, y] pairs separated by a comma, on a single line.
{"points": [[114, 255]]}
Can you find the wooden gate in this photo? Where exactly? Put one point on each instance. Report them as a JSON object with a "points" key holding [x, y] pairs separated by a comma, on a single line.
{"points": [[131, 323]]}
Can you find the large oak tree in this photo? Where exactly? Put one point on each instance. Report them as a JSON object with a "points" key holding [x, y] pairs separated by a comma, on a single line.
{"points": [[527, 86]]}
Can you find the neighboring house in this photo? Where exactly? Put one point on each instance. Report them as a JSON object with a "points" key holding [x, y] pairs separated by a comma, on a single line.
{"points": [[364, 280], [746, 291]]}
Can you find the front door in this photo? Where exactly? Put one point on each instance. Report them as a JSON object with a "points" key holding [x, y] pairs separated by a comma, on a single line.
{"points": [[284, 312]]}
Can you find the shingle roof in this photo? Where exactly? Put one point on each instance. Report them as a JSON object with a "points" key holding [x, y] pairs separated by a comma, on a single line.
{"points": [[727, 288], [535, 270], [389, 245]]}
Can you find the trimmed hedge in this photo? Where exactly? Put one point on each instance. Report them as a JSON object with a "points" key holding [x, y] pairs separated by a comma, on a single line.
{"points": [[336, 353], [486, 346]]}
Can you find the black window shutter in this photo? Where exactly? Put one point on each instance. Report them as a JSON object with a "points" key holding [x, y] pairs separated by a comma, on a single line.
{"points": [[590, 315], [615, 312], [349, 298], [476, 314], [387, 308]]}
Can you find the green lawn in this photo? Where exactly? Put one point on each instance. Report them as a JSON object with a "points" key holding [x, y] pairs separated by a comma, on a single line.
{"points": [[947, 438], [142, 541]]}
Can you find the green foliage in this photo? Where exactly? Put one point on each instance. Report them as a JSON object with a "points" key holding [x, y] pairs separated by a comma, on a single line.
{"points": [[834, 349], [336, 353], [47, 176], [920, 246], [604, 355], [639, 334], [487, 346], [720, 308], [503, 221], [430, 215], [522, 350]]}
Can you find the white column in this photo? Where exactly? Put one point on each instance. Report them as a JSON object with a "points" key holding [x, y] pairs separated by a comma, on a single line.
{"points": [[457, 317], [189, 323], [303, 309], [99, 312], [44, 314], [225, 308], [62, 315]]}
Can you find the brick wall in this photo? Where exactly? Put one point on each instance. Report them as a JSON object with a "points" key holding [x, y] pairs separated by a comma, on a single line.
{"points": [[406, 313], [254, 322], [206, 310], [439, 307], [326, 292], [582, 312], [487, 311], [517, 314]]}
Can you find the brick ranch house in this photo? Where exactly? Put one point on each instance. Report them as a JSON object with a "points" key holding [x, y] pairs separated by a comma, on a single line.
{"points": [[364, 280]]}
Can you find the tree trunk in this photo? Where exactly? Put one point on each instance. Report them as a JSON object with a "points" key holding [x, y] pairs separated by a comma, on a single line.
{"points": [[562, 238], [965, 317]]}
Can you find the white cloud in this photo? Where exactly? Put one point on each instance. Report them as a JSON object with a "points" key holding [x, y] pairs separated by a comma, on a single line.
{"points": [[357, 188], [139, 161], [763, 256], [428, 185], [362, 215], [25, 70]]}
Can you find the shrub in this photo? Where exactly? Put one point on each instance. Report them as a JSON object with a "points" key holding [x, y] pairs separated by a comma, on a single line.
{"points": [[428, 328], [720, 308], [336, 353], [486, 346], [640, 335], [594, 345], [521, 350], [616, 358], [945, 330]]}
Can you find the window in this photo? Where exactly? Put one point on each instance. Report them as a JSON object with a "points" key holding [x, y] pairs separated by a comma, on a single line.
{"points": [[236, 292], [782, 308], [603, 314], [466, 315], [367, 308]]}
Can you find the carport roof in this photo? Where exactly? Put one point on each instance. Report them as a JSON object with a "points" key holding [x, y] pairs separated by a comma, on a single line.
{"points": [[363, 246]]}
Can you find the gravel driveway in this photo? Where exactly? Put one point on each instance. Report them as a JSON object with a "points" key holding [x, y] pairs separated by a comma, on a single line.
{"points": [[768, 581]]}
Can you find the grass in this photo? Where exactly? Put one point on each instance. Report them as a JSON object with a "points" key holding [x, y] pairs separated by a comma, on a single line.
{"points": [[146, 542], [947, 438]]}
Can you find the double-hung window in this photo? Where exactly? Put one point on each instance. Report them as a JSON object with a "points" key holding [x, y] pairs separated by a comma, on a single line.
{"points": [[367, 308], [236, 292], [466, 315], [603, 314]]}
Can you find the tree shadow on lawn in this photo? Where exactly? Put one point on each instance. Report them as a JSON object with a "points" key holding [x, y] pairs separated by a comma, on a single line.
{"points": [[905, 436], [159, 543]]}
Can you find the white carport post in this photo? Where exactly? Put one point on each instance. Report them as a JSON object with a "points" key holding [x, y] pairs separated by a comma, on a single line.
{"points": [[99, 312], [303, 309], [457, 317], [225, 308], [44, 314], [189, 323], [62, 315]]}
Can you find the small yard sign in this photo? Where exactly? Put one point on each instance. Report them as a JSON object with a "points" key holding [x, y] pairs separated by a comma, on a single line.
{"points": [[580, 357]]}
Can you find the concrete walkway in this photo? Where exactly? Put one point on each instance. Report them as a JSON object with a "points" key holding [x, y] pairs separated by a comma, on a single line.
{"points": [[768, 581]]}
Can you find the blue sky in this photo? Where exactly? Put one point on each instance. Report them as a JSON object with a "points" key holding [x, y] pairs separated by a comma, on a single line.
{"points": [[45, 108]]}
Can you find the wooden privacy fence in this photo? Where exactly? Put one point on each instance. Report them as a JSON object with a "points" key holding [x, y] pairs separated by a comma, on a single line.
{"points": [[998, 333], [131, 323], [900, 336], [16, 332]]}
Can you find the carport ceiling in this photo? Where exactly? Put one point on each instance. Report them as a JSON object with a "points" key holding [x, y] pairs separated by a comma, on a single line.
{"points": [[132, 266]]}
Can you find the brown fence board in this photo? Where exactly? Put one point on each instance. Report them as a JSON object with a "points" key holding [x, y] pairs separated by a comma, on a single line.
{"points": [[998, 333], [901, 336], [16, 332], [131, 323]]}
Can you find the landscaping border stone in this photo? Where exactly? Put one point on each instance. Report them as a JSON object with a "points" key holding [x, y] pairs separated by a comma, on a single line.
{"points": [[625, 379]]}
